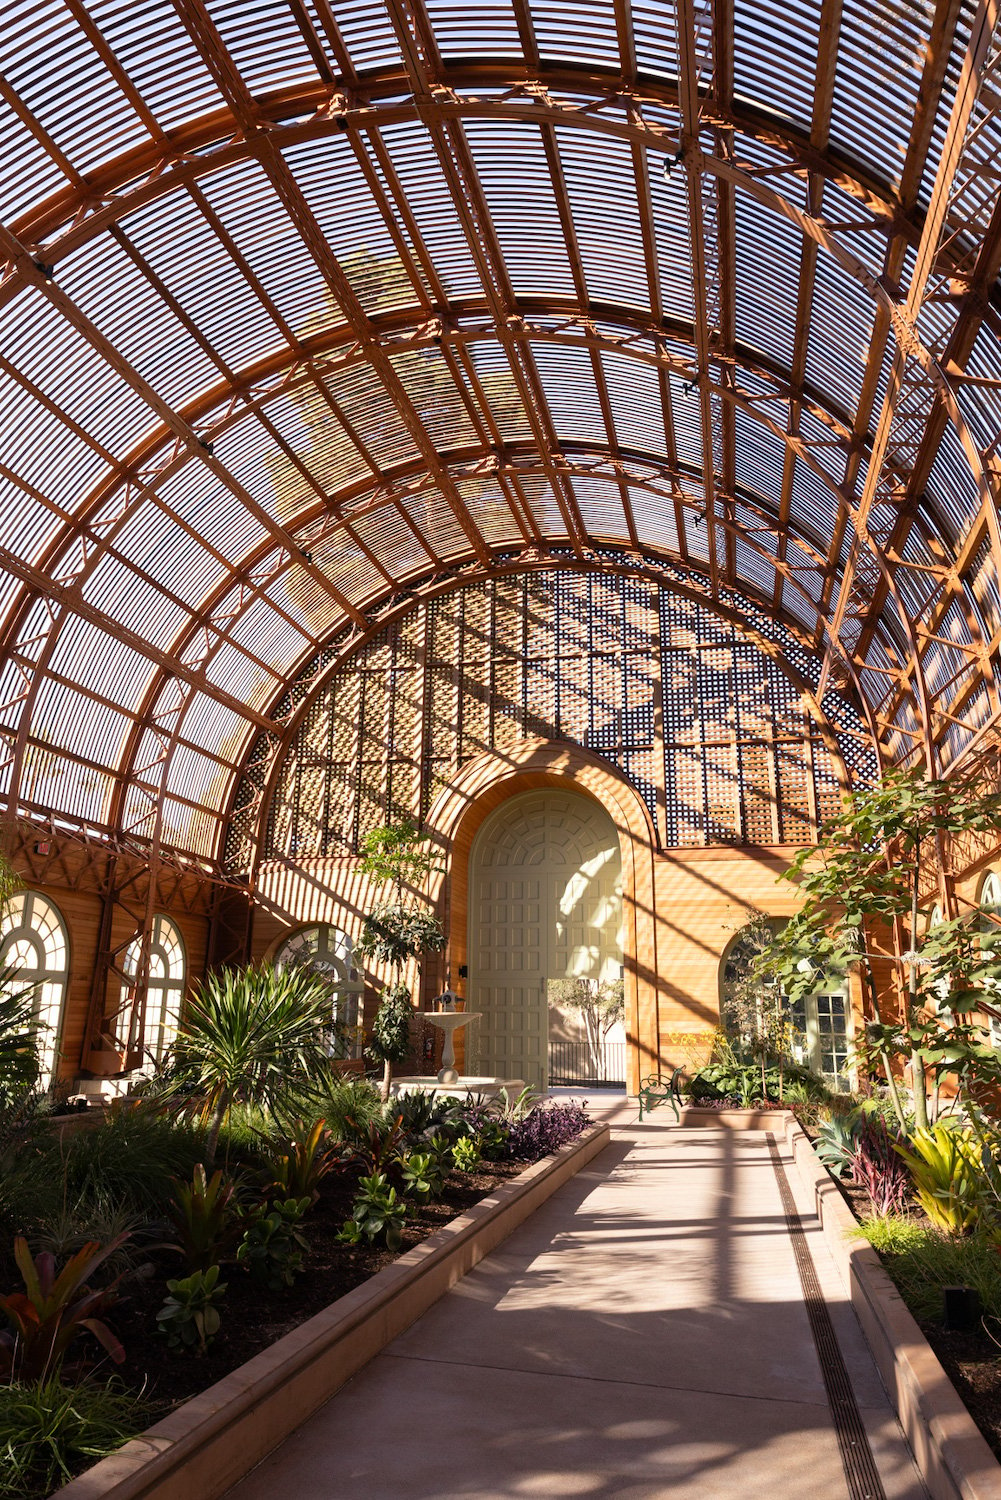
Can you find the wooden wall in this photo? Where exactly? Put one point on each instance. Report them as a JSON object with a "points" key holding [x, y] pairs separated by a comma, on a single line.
{"points": [[76, 876]]}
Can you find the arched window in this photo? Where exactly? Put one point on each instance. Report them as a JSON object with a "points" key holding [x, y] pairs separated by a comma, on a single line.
{"points": [[327, 951], [820, 1022], [33, 940], [990, 906], [168, 967]]}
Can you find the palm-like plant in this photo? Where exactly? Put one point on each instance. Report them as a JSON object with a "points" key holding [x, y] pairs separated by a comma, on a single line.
{"points": [[252, 1036]]}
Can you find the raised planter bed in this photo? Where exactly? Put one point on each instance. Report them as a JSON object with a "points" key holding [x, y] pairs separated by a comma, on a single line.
{"points": [[210, 1442], [697, 1117], [954, 1458]]}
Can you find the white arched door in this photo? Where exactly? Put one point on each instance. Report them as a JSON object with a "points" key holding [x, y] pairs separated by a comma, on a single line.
{"points": [[545, 902]]}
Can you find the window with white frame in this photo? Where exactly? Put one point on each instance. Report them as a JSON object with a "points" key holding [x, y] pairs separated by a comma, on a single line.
{"points": [[328, 952], [990, 906], [33, 940], [820, 1022], [168, 967]]}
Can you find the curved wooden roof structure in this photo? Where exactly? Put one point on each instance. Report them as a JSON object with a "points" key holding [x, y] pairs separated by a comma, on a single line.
{"points": [[306, 308]]}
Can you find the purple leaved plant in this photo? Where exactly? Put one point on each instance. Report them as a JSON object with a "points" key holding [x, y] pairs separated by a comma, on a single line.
{"points": [[877, 1168], [546, 1128]]}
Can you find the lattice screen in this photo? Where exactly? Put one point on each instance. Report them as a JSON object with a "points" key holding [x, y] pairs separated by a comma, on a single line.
{"points": [[703, 723]]}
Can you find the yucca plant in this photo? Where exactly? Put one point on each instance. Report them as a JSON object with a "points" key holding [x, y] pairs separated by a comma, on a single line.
{"points": [[255, 1036], [948, 1177]]}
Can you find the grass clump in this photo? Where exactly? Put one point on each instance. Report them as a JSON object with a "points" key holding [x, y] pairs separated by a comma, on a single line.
{"points": [[49, 1432], [921, 1261], [347, 1104], [132, 1155]]}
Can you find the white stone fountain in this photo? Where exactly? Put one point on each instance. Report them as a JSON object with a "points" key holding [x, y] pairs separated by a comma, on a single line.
{"points": [[448, 1080]]}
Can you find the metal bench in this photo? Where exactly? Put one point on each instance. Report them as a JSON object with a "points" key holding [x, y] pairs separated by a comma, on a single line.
{"points": [[656, 1090]]}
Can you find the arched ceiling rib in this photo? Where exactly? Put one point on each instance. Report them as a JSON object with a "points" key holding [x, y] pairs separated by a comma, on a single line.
{"points": [[304, 304]]}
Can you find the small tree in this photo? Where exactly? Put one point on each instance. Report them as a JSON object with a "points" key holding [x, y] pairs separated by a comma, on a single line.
{"points": [[255, 1036], [397, 931], [598, 1003], [872, 865]]}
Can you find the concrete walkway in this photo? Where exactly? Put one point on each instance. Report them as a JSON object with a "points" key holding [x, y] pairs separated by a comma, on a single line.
{"points": [[643, 1335]]}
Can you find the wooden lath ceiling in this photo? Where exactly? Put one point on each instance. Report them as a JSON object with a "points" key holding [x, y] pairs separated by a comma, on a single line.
{"points": [[304, 305]]}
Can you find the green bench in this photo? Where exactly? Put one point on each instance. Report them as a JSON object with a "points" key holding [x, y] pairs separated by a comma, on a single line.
{"points": [[656, 1090]]}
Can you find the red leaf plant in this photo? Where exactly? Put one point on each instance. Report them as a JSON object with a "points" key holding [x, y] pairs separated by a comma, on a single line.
{"points": [[53, 1309]]}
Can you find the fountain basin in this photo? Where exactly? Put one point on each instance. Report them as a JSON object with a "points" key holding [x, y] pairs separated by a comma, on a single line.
{"points": [[465, 1087], [449, 1022]]}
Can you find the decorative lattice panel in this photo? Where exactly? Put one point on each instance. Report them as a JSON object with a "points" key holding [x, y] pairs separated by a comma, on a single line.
{"points": [[704, 723]]}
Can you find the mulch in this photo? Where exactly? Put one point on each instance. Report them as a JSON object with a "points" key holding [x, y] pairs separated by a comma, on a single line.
{"points": [[253, 1316]]}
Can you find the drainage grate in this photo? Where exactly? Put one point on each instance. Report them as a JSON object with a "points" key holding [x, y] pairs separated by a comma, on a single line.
{"points": [[863, 1478]]}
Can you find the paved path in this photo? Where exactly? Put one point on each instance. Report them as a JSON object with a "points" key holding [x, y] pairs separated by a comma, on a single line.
{"points": [[643, 1335]]}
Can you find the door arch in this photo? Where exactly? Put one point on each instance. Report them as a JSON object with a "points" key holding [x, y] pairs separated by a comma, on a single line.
{"points": [[545, 901]]}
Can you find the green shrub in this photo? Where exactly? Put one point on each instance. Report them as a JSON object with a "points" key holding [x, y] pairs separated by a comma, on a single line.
{"points": [[377, 1214], [423, 1177], [273, 1246], [189, 1316], [69, 1229], [742, 1082], [891, 1234], [466, 1154], [252, 1036], [375, 1144], [301, 1161], [836, 1141], [204, 1215], [421, 1113], [49, 1432]]}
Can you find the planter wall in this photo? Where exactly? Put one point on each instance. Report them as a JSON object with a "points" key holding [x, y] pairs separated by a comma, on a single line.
{"points": [[951, 1453], [212, 1441], [696, 1117]]}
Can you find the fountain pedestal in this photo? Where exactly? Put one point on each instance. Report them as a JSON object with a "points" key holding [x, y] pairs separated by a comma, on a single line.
{"points": [[448, 1079]]}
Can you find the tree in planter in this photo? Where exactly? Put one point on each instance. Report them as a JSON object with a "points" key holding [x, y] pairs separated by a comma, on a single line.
{"points": [[598, 1003], [397, 931], [257, 1035], [871, 865]]}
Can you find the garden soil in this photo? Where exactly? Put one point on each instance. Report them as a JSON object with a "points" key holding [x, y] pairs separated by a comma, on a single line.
{"points": [[253, 1316]]}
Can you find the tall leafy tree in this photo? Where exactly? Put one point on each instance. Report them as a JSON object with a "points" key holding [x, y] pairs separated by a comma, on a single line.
{"points": [[875, 867], [399, 929]]}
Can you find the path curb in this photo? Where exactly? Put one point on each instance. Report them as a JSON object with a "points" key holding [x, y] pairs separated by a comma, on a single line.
{"points": [[952, 1455], [204, 1447]]}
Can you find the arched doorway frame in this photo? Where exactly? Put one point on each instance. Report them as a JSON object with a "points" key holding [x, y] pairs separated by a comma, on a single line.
{"points": [[487, 781]]}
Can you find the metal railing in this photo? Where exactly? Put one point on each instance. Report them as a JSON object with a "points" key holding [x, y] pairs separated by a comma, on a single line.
{"points": [[572, 1063]]}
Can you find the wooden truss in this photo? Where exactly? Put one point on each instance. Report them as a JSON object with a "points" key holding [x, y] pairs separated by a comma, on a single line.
{"points": [[654, 293]]}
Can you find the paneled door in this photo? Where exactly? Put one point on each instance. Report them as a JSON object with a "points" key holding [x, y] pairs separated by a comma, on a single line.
{"points": [[544, 902]]}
